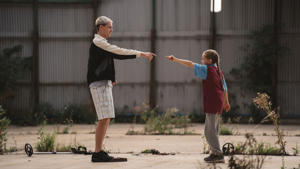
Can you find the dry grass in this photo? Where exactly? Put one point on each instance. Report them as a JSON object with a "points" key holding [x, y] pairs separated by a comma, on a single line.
{"points": [[263, 102]]}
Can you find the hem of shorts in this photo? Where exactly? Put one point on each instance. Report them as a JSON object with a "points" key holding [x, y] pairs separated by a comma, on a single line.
{"points": [[106, 118]]}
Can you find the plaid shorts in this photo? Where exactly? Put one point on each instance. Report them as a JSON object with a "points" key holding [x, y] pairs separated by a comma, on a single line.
{"points": [[101, 92]]}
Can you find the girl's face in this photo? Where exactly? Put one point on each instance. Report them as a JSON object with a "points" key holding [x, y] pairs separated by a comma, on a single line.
{"points": [[205, 61]]}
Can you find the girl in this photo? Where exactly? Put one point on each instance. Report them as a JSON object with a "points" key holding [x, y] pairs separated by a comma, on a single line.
{"points": [[215, 98]]}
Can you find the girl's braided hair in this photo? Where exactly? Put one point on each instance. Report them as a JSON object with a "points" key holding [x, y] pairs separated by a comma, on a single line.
{"points": [[215, 57]]}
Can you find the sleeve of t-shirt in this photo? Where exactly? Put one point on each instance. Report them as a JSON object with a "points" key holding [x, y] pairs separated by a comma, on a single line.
{"points": [[224, 84], [200, 70]]}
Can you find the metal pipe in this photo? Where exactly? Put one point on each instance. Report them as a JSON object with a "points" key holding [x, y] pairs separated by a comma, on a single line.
{"points": [[152, 94], [95, 9], [276, 24], [212, 44], [35, 60]]}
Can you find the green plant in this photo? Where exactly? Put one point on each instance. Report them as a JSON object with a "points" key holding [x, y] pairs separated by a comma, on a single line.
{"points": [[47, 112], [156, 123], [148, 151], [67, 148], [225, 131], [11, 149], [11, 68], [252, 147], [256, 72], [262, 53], [66, 130], [197, 117], [165, 123], [46, 141], [4, 123], [79, 114], [249, 148], [71, 113], [63, 148]]}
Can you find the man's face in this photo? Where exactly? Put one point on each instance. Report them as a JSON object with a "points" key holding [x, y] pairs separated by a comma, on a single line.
{"points": [[106, 30]]}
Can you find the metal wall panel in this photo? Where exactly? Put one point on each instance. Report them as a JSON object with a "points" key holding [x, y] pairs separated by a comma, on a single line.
{"points": [[187, 97], [63, 61], [290, 16], [11, 42], [63, 21], [288, 65], [20, 101], [128, 15], [16, 29], [130, 95], [288, 99], [244, 15], [231, 52], [183, 48], [178, 15], [16, 21], [59, 96], [133, 70]]}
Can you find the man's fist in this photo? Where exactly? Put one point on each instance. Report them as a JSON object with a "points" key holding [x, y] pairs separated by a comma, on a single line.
{"points": [[148, 55], [114, 83], [171, 57]]}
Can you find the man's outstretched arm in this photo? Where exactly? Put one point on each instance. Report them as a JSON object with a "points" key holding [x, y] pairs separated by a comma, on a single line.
{"points": [[121, 53]]}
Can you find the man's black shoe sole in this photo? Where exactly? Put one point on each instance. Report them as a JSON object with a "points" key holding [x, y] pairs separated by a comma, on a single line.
{"points": [[112, 161]]}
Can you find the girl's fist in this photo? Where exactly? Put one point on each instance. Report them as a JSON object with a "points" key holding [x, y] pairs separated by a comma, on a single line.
{"points": [[170, 58]]}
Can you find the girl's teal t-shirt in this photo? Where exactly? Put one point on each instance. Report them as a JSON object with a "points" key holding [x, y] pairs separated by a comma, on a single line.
{"points": [[200, 71]]}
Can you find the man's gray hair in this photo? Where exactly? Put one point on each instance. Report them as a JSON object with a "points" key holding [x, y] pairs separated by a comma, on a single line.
{"points": [[102, 20]]}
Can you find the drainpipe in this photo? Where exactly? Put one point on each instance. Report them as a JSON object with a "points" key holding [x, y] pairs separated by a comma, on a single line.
{"points": [[212, 44], [35, 60], [152, 94], [276, 24], [95, 9]]}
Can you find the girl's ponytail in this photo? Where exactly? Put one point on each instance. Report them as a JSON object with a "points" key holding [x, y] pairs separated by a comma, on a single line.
{"points": [[219, 70], [215, 57]]}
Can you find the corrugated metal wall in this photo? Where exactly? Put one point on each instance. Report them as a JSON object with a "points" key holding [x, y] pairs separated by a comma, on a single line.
{"points": [[182, 30], [289, 69], [15, 29]]}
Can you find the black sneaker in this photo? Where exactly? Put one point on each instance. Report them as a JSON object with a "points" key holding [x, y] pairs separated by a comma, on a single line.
{"points": [[214, 159], [102, 156]]}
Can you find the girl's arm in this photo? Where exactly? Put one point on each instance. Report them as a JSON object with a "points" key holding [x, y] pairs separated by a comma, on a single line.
{"points": [[186, 63], [226, 100], [199, 69]]}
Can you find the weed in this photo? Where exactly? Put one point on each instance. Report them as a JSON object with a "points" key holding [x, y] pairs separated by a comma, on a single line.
{"points": [[263, 102], [46, 141], [295, 150], [4, 123], [225, 131], [163, 124]]}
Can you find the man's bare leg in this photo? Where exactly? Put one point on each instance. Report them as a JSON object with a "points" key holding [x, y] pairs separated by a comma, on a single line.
{"points": [[100, 133]]}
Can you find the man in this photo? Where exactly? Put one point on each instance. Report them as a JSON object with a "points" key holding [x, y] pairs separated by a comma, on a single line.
{"points": [[101, 78]]}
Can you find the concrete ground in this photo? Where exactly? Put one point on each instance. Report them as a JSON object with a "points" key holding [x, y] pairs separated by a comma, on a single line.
{"points": [[188, 149]]}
